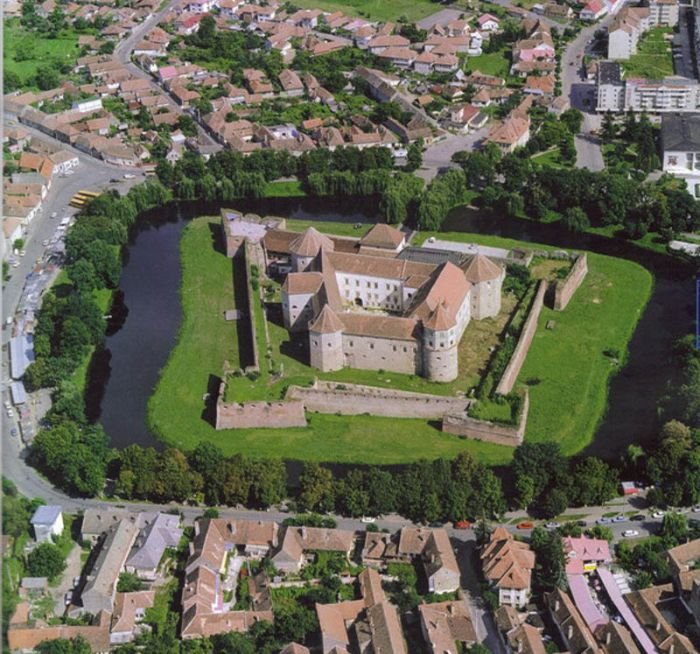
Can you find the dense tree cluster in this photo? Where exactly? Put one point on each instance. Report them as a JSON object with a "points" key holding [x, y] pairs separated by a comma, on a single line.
{"points": [[546, 482]]}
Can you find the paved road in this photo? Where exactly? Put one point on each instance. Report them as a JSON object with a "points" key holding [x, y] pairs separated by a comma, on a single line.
{"points": [[438, 155], [441, 17]]}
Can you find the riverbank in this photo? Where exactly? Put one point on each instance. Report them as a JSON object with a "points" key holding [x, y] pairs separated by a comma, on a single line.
{"points": [[567, 370]]}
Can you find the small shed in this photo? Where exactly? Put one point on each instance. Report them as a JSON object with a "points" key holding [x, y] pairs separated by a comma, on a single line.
{"points": [[629, 488], [19, 395]]}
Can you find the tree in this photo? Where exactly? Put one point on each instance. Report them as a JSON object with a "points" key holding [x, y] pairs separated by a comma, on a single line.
{"points": [[553, 503], [47, 77], [76, 645], [129, 582], [674, 529], [45, 560], [83, 275], [316, 492], [594, 482], [414, 157], [573, 119], [601, 532], [11, 81], [608, 128], [550, 559]]}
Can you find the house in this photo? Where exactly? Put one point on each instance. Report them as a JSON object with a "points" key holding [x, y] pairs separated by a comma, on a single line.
{"points": [[680, 147], [87, 105], [154, 538], [557, 11], [540, 85], [685, 560], [97, 522], [129, 612], [626, 30], [398, 56], [101, 585], [511, 133], [299, 543], [593, 10], [47, 522], [432, 547], [574, 631], [380, 43], [447, 626], [507, 565], [292, 85], [488, 23], [372, 620], [64, 161]]}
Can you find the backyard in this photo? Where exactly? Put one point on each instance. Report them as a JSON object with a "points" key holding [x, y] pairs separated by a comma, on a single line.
{"points": [[24, 52], [493, 63], [566, 370], [375, 9], [654, 59]]}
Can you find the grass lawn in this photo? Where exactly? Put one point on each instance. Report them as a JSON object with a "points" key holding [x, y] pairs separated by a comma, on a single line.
{"points": [[375, 9], [206, 340], [353, 230], [284, 190], [37, 50], [565, 404], [654, 59], [493, 63], [550, 158]]}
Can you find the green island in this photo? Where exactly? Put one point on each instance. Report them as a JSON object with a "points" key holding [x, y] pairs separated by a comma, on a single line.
{"points": [[612, 297]]}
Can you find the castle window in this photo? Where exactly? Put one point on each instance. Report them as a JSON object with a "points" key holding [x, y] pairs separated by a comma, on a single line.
{"points": [[347, 281], [330, 344], [430, 343], [315, 343], [357, 282], [452, 341], [352, 344], [405, 349], [387, 286], [394, 348], [369, 284], [371, 346], [376, 285]]}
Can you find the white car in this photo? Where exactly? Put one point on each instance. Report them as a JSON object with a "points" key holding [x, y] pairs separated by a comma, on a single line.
{"points": [[129, 176], [658, 514], [368, 520], [9, 413], [45, 242], [54, 214], [630, 533], [8, 405], [68, 173]]}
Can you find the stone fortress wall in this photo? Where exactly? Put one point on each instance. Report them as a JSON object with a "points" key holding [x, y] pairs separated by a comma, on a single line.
{"points": [[564, 289], [510, 374], [490, 432], [356, 399]]}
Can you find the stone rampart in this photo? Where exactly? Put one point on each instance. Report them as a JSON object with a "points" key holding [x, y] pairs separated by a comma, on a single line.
{"points": [[490, 432], [564, 290], [251, 297], [356, 399], [249, 415], [510, 374]]}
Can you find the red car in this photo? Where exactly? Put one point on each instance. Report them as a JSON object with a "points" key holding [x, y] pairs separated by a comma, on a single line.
{"points": [[525, 525], [463, 524]]}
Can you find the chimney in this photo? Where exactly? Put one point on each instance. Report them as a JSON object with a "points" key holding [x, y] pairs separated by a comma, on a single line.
{"points": [[570, 632], [556, 605], [658, 625], [671, 648], [520, 644], [608, 637]]}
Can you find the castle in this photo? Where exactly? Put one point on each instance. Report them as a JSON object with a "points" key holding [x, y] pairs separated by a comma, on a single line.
{"points": [[365, 306]]}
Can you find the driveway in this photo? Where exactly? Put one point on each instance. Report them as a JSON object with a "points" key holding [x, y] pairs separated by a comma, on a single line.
{"points": [[73, 568]]}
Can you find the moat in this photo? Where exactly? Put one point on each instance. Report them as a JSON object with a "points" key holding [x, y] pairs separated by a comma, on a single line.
{"points": [[147, 313]]}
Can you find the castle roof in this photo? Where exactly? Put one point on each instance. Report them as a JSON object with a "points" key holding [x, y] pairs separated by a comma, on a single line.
{"points": [[302, 283], [482, 269], [447, 288], [440, 319], [309, 243], [383, 236], [327, 322]]}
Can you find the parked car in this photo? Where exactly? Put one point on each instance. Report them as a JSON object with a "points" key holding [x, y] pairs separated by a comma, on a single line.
{"points": [[525, 525], [9, 413], [8, 405], [14, 432], [582, 523], [638, 518], [603, 521], [630, 533], [54, 214], [552, 525], [463, 524], [368, 520], [696, 509], [45, 242], [658, 514], [68, 598], [129, 176], [619, 518], [76, 581]]}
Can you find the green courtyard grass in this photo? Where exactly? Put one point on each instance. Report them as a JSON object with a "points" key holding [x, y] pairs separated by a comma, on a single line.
{"points": [[493, 63], [380, 10], [654, 58], [566, 367], [39, 51], [289, 189]]}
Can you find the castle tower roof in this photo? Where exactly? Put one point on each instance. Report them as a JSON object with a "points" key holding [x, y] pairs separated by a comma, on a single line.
{"points": [[482, 269], [440, 319], [327, 322], [383, 236], [309, 243]]}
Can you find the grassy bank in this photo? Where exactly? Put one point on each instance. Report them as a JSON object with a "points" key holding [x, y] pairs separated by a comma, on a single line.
{"points": [[290, 189], [375, 9], [566, 367]]}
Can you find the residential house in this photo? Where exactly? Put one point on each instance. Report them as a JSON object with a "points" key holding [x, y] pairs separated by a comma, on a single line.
{"points": [[101, 585], [398, 56], [507, 565], [292, 85], [585, 554], [64, 161], [47, 522], [129, 612], [373, 622], [433, 549], [574, 631], [685, 563], [154, 538], [511, 133], [87, 105], [488, 23], [557, 11], [380, 43], [594, 10], [626, 30], [447, 626], [300, 543], [680, 147], [540, 85]]}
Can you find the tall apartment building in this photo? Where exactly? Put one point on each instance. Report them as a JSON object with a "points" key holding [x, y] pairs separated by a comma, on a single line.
{"points": [[671, 94], [680, 145], [631, 23]]}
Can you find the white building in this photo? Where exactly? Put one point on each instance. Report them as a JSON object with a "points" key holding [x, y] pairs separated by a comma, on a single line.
{"points": [[90, 104], [47, 522], [680, 146]]}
